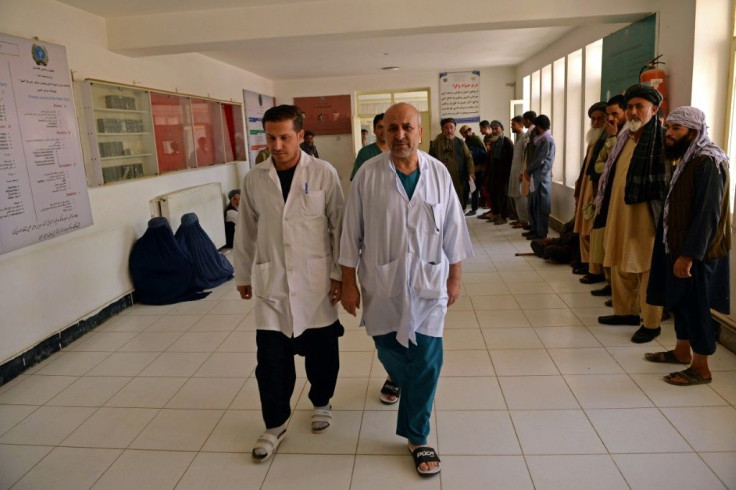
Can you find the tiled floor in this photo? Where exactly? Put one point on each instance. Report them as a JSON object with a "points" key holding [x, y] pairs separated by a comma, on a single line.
{"points": [[533, 394]]}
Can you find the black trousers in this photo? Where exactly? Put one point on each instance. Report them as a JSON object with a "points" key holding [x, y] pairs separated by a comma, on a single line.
{"points": [[276, 373]]}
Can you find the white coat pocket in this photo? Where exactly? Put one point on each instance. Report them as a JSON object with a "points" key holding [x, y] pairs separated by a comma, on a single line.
{"points": [[319, 274], [263, 280], [313, 203], [428, 279], [387, 282]]}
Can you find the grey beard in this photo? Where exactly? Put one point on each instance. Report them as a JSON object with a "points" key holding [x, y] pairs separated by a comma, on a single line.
{"points": [[593, 135], [633, 126]]}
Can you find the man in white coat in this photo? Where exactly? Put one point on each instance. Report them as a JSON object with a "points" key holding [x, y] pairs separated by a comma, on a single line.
{"points": [[405, 233], [286, 250]]}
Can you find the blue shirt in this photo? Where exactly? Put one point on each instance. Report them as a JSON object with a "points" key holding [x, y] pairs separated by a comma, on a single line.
{"points": [[409, 181]]}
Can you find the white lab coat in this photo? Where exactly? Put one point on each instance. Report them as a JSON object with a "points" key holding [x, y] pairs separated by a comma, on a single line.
{"points": [[288, 251], [403, 248]]}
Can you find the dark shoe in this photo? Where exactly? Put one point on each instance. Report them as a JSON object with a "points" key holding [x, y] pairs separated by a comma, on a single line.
{"points": [[619, 320], [688, 377], [529, 233], [609, 303], [592, 278], [425, 454], [527, 227], [667, 356], [485, 215], [644, 335], [535, 237], [604, 291], [470, 213], [519, 224], [500, 221]]}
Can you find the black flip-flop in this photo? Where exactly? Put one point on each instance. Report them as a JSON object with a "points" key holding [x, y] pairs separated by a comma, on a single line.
{"points": [[666, 357], [425, 454], [391, 389]]}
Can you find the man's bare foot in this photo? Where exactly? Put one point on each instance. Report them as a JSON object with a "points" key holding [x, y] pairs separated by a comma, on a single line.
{"points": [[426, 468]]}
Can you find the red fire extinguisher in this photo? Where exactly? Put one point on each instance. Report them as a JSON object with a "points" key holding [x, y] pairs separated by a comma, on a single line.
{"points": [[655, 77]]}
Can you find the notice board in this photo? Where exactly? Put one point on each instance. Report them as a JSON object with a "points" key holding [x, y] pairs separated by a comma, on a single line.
{"points": [[625, 52], [460, 96], [43, 189], [255, 106]]}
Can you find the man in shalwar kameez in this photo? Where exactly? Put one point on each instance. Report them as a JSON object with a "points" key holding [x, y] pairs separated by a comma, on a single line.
{"points": [[691, 261], [286, 249], [585, 190], [405, 233], [633, 183]]}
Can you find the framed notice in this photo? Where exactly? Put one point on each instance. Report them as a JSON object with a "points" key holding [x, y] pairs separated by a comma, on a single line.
{"points": [[460, 96], [43, 190], [255, 106], [329, 114]]}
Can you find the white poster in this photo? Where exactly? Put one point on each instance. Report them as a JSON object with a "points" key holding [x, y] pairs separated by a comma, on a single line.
{"points": [[43, 189], [460, 96], [255, 105]]}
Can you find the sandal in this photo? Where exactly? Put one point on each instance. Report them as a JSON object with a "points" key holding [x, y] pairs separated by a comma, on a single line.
{"points": [[425, 454], [321, 420], [667, 357], [690, 377], [269, 443], [390, 393]]}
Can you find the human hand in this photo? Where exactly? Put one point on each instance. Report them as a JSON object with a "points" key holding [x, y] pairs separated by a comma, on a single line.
{"points": [[350, 298], [335, 291], [682, 267], [453, 290]]}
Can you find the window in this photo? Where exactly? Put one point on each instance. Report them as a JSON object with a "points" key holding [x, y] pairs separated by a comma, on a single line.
{"points": [[574, 121], [370, 104], [558, 119]]}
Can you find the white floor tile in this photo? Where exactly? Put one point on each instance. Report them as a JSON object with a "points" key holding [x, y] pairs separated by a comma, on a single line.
{"points": [[584, 361], [395, 472], [485, 472], [530, 301], [457, 319], [537, 393], [637, 430], [67, 467], [223, 471], [575, 471], [47, 426], [521, 362], [350, 394], [151, 341], [340, 438], [705, 428], [378, 434], [16, 460], [685, 470], [123, 364], [467, 363], [476, 433], [326, 472], [228, 365], [463, 339], [512, 338], [471, 393], [12, 414], [142, 392], [607, 391], [175, 364], [198, 342], [237, 432], [503, 319], [666, 395], [723, 466], [89, 391], [239, 341], [563, 337], [556, 432], [111, 428], [140, 470], [36, 389], [206, 393], [494, 302], [217, 323], [178, 430], [73, 363], [174, 323], [554, 317]]}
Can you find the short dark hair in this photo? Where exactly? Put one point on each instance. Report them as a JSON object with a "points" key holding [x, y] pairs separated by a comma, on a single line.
{"points": [[364, 131], [529, 115], [284, 112], [618, 100], [542, 121], [376, 118], [517, 119], [447, 120], [485, 124], [308, 132]]}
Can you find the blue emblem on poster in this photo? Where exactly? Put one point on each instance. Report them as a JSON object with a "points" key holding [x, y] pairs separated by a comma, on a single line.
{"points": [[40, 55]]}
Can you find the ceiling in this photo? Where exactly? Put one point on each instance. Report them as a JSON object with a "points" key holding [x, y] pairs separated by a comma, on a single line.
{"points": [[422, 35]]}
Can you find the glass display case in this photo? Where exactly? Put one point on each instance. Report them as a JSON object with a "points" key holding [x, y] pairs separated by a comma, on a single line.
{"points": [[121, 122], [130, 132]]}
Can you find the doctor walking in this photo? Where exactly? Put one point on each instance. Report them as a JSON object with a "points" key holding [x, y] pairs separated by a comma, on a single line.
{"points": [[405, 233], [285, 253]]}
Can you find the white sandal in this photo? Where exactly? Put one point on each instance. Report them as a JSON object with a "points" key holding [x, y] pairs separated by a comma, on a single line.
{"points": [[269, 443], [320, 417]]}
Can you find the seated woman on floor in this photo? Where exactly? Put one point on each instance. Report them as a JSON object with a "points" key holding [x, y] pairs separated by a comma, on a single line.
{"points": [[210, 267]]}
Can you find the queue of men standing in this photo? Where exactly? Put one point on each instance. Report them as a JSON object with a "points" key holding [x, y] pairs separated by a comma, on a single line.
{"points": [[652, 211]]}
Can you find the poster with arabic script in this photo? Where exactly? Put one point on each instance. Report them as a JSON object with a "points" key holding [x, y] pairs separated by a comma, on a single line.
{"points": [[43, 189], [460, 96]]}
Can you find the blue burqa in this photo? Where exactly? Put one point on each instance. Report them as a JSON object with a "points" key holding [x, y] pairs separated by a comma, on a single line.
{"points": [[162, 271], [210, 268]]}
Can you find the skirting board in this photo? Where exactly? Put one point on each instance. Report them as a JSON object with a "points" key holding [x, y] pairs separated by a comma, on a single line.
{"points": [[56, 342]]}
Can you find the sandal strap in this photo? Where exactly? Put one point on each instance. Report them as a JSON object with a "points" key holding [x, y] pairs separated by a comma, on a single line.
{"points": [[425, 454], [268, 439], [322, 415], [390, 388], [690, 375]]}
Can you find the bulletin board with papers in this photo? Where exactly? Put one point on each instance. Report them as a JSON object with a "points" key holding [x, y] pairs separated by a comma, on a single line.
{"points": [[460, 96], [43, 189]]}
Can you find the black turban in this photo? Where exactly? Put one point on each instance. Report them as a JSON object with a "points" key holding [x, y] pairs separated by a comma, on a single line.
{"points": [[643, 92], [598, 106]]}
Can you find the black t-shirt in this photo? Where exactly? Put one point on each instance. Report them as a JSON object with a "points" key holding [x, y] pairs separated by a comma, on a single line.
{"points": [[285, 177]]}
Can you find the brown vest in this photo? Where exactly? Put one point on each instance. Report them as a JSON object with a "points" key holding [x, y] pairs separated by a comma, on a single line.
{"points": [[680, 214]]}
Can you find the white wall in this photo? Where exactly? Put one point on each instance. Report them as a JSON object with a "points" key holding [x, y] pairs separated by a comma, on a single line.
{"points": [[46, 287], [340, 150], [676, 40]]}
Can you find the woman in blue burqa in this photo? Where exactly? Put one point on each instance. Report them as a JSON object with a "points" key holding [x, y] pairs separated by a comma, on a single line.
{"points": [[210, 267], [162, 271]]}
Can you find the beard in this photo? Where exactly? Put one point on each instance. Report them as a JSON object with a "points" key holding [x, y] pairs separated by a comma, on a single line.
{"points": [[593, 135], [495, 137], [677, 150]]}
